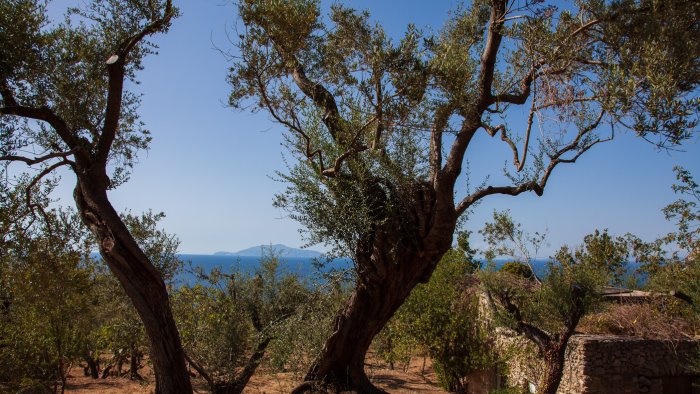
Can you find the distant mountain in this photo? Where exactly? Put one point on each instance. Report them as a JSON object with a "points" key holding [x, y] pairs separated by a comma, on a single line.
{"points": [[278, 249]]}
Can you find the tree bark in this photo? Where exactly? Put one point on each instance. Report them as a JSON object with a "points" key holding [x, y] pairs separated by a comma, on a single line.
{"points": [[134, 363], [140, 280], [384, 282], [553, 369], [390, 261], [93, 366]]}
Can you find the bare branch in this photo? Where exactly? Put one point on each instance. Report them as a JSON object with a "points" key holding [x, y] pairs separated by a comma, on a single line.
{"points": [[28, 190], [558, 103], [538, 186], [490, 190], [331, 172], [517, 162], [517, 98]]}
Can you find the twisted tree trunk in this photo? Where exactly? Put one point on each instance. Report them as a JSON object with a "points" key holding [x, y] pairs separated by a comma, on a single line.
{"points": [[372, 303], [390, 263], [140, 280]]}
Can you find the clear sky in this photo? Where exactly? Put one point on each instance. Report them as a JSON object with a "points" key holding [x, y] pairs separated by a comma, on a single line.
{"points": [[209, 167]]}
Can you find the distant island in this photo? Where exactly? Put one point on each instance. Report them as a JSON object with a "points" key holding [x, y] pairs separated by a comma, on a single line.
{"points": [[278, 249]]}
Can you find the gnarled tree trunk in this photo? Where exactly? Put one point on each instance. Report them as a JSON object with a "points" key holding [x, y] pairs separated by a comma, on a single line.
{"points": [[372, 304], [390, 264], [140, 280]]}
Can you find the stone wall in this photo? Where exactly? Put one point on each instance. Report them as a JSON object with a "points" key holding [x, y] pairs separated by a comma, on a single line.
{"points": [[613, 364], [598, 364], [608, 364]]}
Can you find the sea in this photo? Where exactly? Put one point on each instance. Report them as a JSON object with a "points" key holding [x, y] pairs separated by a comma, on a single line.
{"points": [[306, 267]]}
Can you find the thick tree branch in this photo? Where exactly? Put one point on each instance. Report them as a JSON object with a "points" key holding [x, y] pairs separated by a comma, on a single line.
{"points": [[447, 176], [252, 365], [489, 55], [516, 98], [200, 370], [45, 114], [116, 69], [37, 160], [333, 171], [323, 99], [442, 116], [526, 82], [6, 93], [491, 190]]}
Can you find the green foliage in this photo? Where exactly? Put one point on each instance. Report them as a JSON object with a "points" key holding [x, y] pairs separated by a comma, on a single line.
{"points": [[441, 317], [367, 116], [670, 271], [46, 288], [567, 292], [569, 289], [215, 330], [517, 269], [600, 251], [60, 66], [352, 98], [507, 238], [685, 212], [655, 59], [300, 337], [226, 318]]}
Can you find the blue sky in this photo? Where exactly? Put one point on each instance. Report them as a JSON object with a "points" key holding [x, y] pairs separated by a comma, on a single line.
{"points": [[209, 166]]}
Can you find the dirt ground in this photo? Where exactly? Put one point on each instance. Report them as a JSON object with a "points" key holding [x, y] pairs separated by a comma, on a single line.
{"points": [[263, 382]]}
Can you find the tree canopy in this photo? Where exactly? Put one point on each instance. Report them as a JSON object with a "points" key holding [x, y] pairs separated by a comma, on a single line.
{"points": [[379, 128]]}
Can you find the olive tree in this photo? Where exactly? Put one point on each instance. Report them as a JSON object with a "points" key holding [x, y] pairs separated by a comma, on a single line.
{"points": [[45, 287], [64, 104], [545, 313], [380, 128], [228, 321]]}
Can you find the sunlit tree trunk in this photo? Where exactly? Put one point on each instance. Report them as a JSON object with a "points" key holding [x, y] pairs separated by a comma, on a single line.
{"points": [[389, 266], [141, 282]]}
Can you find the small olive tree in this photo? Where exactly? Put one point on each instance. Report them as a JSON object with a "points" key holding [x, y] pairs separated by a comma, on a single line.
{"points": [[546, 310], [46, 288], [228, 320], [547, 314]]}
